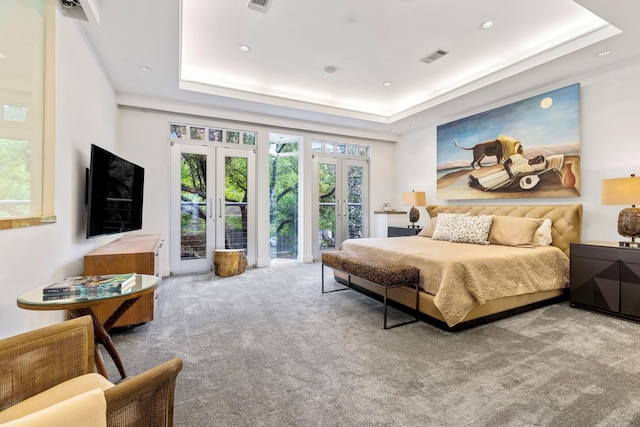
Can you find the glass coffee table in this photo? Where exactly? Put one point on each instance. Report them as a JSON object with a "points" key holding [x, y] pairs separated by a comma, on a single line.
{"points": [[81, 305]]}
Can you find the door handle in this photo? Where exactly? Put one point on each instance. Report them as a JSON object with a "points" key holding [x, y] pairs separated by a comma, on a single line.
{"points": [[220, 208], [344, 208], [338, 208], [210, 207]]}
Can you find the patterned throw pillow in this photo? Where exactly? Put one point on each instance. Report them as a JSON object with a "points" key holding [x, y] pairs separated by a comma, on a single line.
{"points": [[446, 226], [473, 229]]}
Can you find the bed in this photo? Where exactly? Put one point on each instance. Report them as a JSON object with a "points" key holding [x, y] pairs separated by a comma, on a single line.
{"points": [[464, 284]]}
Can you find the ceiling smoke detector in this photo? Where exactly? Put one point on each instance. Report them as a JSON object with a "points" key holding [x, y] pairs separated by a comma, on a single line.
{"points": [[259, 5], [433, 56]]}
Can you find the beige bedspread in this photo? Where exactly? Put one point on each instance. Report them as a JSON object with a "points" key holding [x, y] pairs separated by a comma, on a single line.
{"points": [[462, 275]]}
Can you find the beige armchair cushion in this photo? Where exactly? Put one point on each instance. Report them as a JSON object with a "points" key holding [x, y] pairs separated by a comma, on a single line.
{"points": [[62, 392], [85, 409]]}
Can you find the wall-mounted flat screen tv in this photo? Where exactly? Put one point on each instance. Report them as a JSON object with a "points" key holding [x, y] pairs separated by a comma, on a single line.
{"points": [[114, 194]]}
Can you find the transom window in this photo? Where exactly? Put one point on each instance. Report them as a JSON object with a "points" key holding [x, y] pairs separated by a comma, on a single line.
{"points": [[339, 148], [211, 134]]}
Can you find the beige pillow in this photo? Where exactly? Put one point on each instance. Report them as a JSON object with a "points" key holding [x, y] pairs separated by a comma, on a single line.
{"points": [[514, 231], [427, 231], [542, 236]]}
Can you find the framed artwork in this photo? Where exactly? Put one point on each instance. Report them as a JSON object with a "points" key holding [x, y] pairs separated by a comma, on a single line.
{"points": [[529, 148]]}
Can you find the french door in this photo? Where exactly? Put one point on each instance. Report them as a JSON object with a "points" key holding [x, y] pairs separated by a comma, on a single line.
{"points": [[340, 198], [212, 204]]}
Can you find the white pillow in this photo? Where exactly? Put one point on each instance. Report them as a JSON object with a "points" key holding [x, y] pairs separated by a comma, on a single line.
{"points": [[473, 229], [429, 227], [542, 236], [446, 226]]}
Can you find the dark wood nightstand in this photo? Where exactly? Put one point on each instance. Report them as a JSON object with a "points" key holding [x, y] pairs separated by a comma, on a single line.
{"points": [[402, 231], [606, 277]]}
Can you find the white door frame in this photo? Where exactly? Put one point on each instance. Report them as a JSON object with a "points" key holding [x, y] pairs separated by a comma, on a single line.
{"points": [[215, 233], [341, 199]]}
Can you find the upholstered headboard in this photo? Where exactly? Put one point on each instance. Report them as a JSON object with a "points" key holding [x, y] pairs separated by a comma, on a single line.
{"points": [[566, 220]]}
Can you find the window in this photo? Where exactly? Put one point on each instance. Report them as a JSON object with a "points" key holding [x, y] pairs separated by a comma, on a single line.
{"points": [[26, 138], [340, 149], [203, 133], [283, 195]]}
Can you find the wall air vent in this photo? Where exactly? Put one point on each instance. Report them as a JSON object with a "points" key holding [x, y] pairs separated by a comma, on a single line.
{"points": [[433, 56], [259, 5]]}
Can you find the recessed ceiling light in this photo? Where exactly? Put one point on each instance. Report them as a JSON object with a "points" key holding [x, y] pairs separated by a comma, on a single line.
{"points": [[145, 68], [387, 84], [2, 56], [330, 69], [488, 24], [604, 52], [244, 48], [352, 19]]}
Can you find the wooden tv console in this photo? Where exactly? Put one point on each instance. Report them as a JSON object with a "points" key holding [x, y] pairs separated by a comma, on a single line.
{"points": [[136, 253]]}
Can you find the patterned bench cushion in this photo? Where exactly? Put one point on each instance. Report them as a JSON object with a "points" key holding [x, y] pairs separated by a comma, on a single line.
{"points": [[377, 270]]}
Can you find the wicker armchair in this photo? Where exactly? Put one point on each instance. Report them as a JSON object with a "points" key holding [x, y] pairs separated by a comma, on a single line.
{"points": [[52, 364]]}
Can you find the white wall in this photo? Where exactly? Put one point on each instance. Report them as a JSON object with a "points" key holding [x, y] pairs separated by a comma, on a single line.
{"points": [[85, 114], [609, 147]]}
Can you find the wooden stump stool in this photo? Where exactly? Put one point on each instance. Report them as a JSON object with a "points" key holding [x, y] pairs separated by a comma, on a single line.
{"points": [[229, 262]]}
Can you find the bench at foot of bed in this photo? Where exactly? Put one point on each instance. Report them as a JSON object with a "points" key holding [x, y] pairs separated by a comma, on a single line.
{"points": [[380, 272]]}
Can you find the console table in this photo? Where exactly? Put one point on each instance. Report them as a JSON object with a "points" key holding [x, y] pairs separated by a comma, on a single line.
{"points": [[133, 253], [606, 278], [81, 306]]}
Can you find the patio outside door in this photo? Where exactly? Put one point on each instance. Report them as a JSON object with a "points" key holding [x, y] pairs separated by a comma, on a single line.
{"points": [[212, 204]]}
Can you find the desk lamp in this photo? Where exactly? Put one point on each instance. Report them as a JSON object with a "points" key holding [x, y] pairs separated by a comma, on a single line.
{"points": [[624, 191]]}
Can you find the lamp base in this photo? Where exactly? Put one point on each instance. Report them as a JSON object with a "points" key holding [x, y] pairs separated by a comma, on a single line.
{"points": [[414, 214], [629, 244], [629, 223]]}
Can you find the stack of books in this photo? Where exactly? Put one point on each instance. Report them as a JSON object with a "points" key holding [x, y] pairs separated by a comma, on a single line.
{"points": [[90, 286]]}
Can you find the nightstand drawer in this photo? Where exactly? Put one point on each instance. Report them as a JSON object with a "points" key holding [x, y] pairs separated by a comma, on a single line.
{"points": [[609, 253], [402, 231]]}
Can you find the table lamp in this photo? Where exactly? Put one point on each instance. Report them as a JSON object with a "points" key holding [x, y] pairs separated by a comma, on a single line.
{"points": [[414, 199], [624, 191]]}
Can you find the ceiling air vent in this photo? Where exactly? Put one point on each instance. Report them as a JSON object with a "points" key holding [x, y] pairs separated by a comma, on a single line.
{"points": [[259, 5], [433, 56]]}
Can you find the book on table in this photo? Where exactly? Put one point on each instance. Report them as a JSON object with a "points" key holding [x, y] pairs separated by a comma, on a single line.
{"points": [[83, 285]]}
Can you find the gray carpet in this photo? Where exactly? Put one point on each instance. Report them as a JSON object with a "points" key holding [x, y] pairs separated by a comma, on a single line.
{"points": [[268, 349]]}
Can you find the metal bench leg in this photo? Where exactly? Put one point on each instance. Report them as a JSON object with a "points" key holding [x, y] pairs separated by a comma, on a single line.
{"points": [[385, 307], [417, 310], [333, 290], [417, 301]]}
